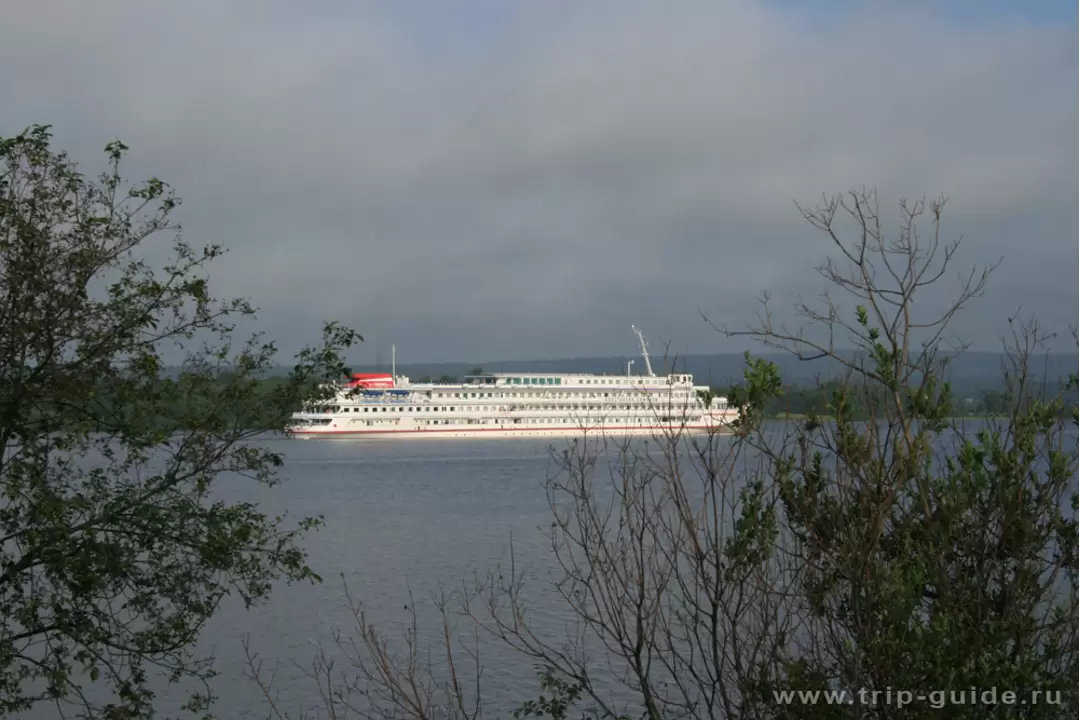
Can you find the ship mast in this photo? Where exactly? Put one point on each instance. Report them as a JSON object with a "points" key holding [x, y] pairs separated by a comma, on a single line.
{"points": [[644, 351]]}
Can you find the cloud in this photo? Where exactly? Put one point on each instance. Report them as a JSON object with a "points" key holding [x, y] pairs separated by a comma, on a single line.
{"points": [[486, 183]]}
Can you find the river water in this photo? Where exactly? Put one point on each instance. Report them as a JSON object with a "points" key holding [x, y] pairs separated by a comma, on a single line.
{"points": [[400, 516], [420, 517]]}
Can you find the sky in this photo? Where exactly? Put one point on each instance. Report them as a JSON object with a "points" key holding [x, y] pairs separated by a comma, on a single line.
{"points": [[489, 180]]}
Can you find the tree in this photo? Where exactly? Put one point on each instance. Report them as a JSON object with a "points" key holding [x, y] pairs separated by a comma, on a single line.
{"points": [[932, 558], [114, 550], [885, 552], [477, 371]]}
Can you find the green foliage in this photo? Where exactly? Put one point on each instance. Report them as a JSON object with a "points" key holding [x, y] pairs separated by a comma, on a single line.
{"points": [[927, 556], [934, 558], [274, 400], [560, 697], [114, 550], [761, 385]]}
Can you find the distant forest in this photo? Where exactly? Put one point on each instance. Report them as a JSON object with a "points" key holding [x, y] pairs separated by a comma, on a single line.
{"points": [[821, 400]]}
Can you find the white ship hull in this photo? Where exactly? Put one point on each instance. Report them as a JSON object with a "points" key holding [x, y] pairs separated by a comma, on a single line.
{"points": [[507, 431]]}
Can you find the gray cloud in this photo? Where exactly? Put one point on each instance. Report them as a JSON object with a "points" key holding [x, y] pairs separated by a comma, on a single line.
{"points": [[491, 184]]}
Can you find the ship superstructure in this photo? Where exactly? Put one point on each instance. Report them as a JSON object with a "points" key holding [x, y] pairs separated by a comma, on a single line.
{"points": [[517, 405]]}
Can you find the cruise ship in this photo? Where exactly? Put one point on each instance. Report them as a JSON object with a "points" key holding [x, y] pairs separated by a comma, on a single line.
{"points": [[504, 405]]}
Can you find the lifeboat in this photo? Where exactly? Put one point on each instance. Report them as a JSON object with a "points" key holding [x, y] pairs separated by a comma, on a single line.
{"points": [[370, 381]]}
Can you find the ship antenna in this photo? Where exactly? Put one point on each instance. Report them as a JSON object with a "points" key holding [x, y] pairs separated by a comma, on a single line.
{"points": [[644, 351]]}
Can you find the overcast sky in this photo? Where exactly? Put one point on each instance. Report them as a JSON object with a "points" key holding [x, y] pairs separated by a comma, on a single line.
{"points": [[494, 180]]}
